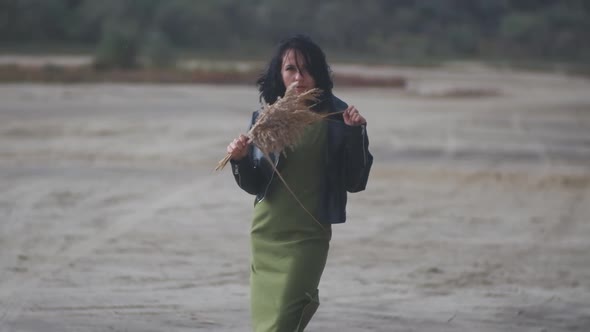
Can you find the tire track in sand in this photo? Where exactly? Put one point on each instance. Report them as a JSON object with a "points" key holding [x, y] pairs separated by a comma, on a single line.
{"points": [[12, 303]]}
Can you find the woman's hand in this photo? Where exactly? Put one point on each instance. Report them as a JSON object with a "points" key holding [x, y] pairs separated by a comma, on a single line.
{"points": [[238, 148], [352, 117]]}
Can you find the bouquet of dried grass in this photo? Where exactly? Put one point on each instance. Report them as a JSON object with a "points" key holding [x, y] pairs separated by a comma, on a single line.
{"points": [[281, 125]]}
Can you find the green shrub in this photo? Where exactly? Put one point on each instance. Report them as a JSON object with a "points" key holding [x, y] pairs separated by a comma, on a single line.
{"points": [[157, 50], [118, 46]]}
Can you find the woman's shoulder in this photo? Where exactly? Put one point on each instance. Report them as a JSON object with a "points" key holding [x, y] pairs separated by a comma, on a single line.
{"points": [[258, 110], [255, 115], [338, 104]]}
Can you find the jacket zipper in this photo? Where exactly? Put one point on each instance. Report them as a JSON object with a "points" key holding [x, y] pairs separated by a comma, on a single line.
{"points": [[363, 131]]}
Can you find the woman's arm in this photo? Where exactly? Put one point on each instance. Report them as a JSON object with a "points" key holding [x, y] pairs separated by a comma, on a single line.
{"points": [[358, 159], [247, 176]]}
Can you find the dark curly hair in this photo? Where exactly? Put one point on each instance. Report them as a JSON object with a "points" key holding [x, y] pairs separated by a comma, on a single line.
{"points": [[270, 83]]}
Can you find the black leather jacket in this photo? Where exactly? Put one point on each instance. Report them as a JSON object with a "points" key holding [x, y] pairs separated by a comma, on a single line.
{"points": [[347, 166]]}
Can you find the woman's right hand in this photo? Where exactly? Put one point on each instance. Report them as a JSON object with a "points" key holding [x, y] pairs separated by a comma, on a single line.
{"points": [[238, 148]]}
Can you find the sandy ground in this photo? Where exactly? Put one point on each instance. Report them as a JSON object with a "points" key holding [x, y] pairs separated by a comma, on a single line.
{"points": [[476, 217]]}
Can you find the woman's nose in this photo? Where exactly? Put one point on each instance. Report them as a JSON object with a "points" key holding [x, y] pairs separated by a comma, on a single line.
{"points": [[298, 76]]}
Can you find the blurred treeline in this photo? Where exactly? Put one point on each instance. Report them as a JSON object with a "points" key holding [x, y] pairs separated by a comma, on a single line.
{"points": [[122, 31]]}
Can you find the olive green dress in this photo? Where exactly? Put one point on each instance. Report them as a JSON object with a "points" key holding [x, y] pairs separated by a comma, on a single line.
{"points": [[289, 248]]}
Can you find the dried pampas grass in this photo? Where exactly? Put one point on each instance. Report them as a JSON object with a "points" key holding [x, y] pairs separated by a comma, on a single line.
{"points": [[281, 125]]}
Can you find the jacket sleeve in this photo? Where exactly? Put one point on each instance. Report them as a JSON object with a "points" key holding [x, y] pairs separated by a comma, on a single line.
{"points": [[358, 159], [245, 172]]}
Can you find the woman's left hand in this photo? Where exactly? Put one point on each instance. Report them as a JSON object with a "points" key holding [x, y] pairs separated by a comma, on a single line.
{"points": [[352, 117]]}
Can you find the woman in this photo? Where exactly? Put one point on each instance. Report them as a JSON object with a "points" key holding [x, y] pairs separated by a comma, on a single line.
{"points": [[289, 247]]}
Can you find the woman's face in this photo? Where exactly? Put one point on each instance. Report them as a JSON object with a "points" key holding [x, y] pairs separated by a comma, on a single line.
{"points": [[294, 69]]}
